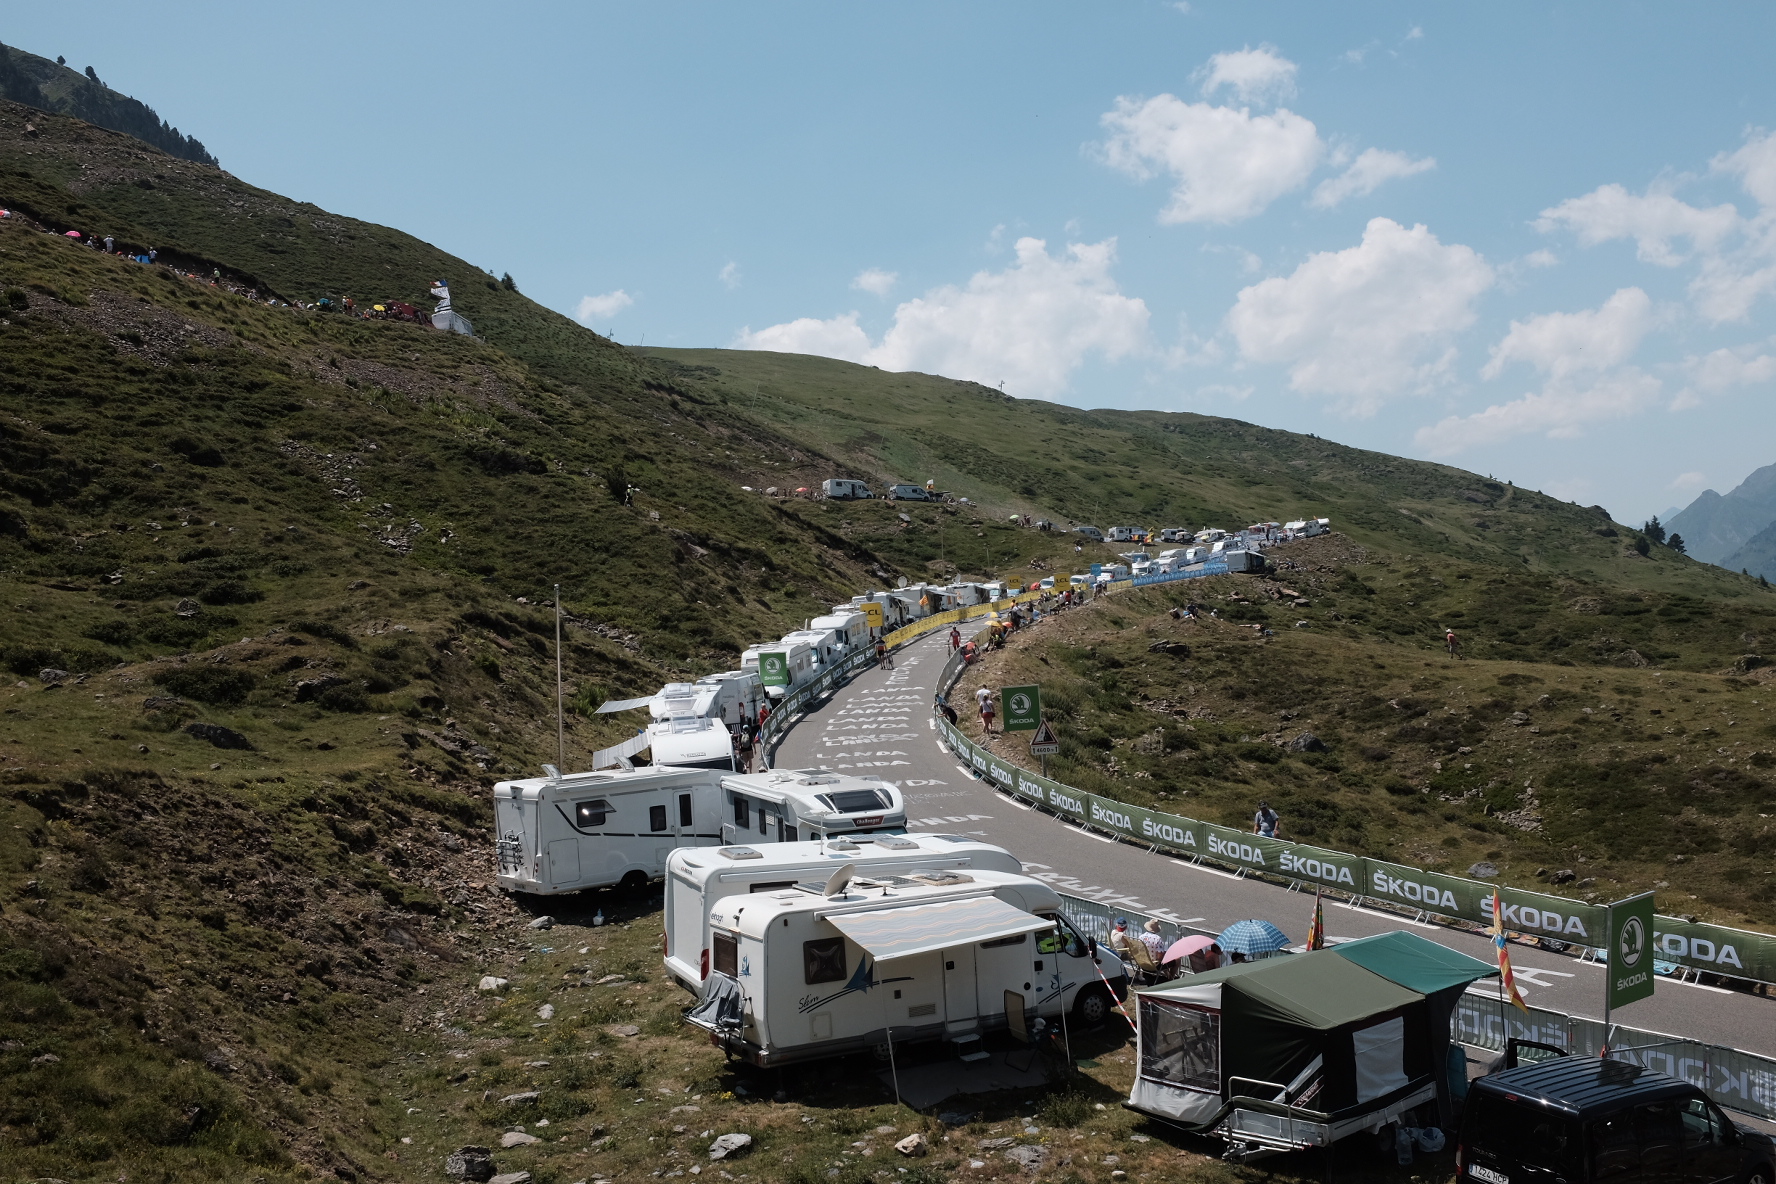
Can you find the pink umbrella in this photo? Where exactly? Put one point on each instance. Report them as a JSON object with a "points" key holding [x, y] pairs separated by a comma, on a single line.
{"points": [[1186, 946], [73, 234]]}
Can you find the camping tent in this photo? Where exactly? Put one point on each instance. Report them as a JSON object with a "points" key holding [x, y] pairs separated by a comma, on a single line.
{"points": [[1300, 1051]]}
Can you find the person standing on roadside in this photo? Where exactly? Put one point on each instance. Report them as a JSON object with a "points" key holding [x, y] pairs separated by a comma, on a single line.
{"points": [[955, 639], [1267, 821], [984, 697]]}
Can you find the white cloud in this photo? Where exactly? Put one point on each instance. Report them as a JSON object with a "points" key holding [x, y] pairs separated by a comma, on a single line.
{"points": [[1541, 259], [1227, 164], [1688, 481], [1238, 394], [1255, 75], [1720, 370], [599, 308], [1368, 322], [730, 275], [875, 281], [1564, 343], [1369, 172], [1561, 410], [1415, 33], [1652, 220], [1030, 325], [1755, 166]]}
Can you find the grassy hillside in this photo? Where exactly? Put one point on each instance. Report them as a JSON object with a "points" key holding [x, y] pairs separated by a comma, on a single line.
{"points": [[49, 86], [1564, 755]]}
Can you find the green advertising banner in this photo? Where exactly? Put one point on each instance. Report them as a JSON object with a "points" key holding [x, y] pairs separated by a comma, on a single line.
{"points": [[1630, 951], [1022, 708], [774, 668]]}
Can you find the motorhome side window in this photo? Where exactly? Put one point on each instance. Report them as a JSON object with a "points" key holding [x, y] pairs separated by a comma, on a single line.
{"points": [[823, 961], [724, 951], [591, 813], [742, 815], [656, 817]]}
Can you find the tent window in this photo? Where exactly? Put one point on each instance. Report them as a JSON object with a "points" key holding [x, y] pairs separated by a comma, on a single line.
{"points": [[823, 961], [590, 813], [1181, 1045], [1381, 1058]]}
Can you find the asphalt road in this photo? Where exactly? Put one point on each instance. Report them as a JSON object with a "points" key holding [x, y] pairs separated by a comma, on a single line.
{"points": [[881, 723]]}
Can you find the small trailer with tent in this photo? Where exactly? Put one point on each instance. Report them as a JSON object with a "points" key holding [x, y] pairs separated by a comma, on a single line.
{"points": [[853, 961], [1300, 1051]]}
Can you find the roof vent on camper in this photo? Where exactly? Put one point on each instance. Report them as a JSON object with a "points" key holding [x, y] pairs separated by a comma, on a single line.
{"points": [[896, 842], [820, 779], [739, 853], [942, 879]]}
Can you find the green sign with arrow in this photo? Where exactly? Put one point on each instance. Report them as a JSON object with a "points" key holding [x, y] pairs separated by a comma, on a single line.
{"points": [[1022, 708]]}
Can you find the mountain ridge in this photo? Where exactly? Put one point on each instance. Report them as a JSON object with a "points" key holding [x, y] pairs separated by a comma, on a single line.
{"points": [[51, 86], [1716, 526]]}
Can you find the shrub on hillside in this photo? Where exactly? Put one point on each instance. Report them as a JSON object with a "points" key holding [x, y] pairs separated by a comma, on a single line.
{"points": [[223, 685]]}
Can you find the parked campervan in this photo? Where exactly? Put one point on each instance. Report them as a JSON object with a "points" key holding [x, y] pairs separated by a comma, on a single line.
{"points": [[1090, 532], [564, 833], [730, 697], [824, 643], [788, 805], [692, 742], [822, 968], [843, 488], [914, 604], [1120, 534], [964, 595], [1210, 534], [1175, 534], [893, 611], [849, 627], [696, 879], [909, 493], [796, 662]]}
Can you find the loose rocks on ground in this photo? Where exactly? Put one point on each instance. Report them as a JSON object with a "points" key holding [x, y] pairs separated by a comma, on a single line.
{"points": [[470, 1163], [729, 1145]]}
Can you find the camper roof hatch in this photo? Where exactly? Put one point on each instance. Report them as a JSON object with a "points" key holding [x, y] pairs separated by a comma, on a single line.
{"points": [[739, 853]]}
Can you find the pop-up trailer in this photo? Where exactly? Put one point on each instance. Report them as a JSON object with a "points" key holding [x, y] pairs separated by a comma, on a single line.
{"points": [[1300, 1051], [855, 961]]}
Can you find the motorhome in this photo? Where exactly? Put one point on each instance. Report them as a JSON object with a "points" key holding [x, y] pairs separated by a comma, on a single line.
{"points": [[910, 493], [1090, 532], [826, 645], [1209, 535], [692, 742], [894, 611], [1175, 534], [568, 832], [845, 489], [781, 666], [856, 960], [1121, 534], [915, 604], [849, 627], [696, 879], [789, 805], [964, 595]]}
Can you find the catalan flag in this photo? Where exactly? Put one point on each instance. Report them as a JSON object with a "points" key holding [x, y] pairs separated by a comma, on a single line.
{"points": [[1316, 933], [1507, 980]]}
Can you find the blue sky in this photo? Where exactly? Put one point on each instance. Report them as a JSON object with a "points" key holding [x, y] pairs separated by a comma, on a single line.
{"points": [[1537, 241]]}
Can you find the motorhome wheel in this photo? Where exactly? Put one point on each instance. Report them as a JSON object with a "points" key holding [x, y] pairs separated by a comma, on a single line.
{"points": [[634, 883], [1091, 1008], [882, 1052]]}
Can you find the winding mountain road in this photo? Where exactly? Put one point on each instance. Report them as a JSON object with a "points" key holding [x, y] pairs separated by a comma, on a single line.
{"points": [[881, 723]]}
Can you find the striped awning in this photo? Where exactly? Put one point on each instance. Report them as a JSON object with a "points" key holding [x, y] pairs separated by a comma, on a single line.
{"points": [[922, 928]]}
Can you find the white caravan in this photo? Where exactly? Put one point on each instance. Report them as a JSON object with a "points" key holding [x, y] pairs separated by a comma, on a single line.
{"points": [[696, 879], [843, 488], [856, 960], [1210, 534], [965, 595], [565, 833], [692, 722], [1120, 534], [849, 626], [798, 662], [824, 644], [790, 805]]}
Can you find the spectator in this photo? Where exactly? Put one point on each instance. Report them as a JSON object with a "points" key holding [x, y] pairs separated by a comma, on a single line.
{"points": [[984, 696], [1150, 937], [943, 705], [1451, 644], [108, 241], [1266, 822], [955, 639], [1208, 958], [1120, 941]]}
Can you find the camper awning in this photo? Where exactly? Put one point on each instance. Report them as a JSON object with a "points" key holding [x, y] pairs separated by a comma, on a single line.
{"points": [[611, 705], [922, 928], [1414, 962]]}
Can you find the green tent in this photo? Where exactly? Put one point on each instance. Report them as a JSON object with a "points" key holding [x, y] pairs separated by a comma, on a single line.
{"points": [[1340, 1043]]}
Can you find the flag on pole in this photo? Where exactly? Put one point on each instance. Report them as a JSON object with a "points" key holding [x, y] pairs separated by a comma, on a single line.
{"points": [[1507, 980], [1316, 933]]}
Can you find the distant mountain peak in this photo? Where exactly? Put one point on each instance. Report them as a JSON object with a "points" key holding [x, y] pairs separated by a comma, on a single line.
{"points": [[1715, 526], [54, 86]]}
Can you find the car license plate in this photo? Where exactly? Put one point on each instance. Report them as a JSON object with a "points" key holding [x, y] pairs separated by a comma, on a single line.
{"points": [[1488, 1175]]}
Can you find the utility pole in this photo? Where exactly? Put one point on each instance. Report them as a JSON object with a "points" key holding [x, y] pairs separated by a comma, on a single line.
{"points": [[560, 723]]}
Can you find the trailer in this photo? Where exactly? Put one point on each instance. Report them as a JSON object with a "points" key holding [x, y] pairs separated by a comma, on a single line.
{"points": [[854, 960], [696, 879], [780, 666], [789, 805], [845, 489], [1301, 1051], [1090, 532], [692, 742], [569, 832]]}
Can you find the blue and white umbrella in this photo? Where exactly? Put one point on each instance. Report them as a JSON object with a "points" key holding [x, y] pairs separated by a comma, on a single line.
{"points": [[1252, 938]]}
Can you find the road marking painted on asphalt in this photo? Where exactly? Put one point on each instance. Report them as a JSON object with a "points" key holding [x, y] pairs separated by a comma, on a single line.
{"points": [[966, 772], [1357, 908], [1198, 867]]}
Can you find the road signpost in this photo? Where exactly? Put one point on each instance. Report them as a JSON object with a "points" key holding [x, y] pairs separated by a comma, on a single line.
{"points": [[1044, 745], [1630, 954], [1022, 708]]}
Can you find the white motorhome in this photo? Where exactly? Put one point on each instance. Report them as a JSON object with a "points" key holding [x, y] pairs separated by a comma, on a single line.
{"points": [[849, 627], [857, 960], [692, 742], [565, 833], [843, 488], [914, 604], [696, 879], [964, 595], [894, 611], [798, 664], [824, 643], [790, 805], [1210, 534], [1175, 534], [1120, 534]]}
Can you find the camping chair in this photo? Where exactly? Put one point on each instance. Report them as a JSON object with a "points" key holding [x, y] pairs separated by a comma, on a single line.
{"points": [[1150, 971], [1017, 1024]]}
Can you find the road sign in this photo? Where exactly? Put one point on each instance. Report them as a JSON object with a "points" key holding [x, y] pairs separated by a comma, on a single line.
{"points": [[1022, 707], [774, 668], [872, 613], [1043, 743], [1630, 950]]}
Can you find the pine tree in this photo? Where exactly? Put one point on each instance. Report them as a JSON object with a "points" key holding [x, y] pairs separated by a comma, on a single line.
{"points": [[1653, 530], [1641, 545], [1676, 543]]}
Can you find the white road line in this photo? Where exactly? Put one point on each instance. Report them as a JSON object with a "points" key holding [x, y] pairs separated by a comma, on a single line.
{"points": [[1199, 867], [1357, 908], [1698, 986], [1088, 834], [968, 772]]}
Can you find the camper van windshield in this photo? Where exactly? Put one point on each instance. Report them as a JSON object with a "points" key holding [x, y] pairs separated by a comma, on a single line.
{"points": [[853, 801], [1181, 1045]]}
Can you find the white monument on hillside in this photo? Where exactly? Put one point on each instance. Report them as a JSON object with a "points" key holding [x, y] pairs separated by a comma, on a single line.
{"points": [[446, 318]]}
